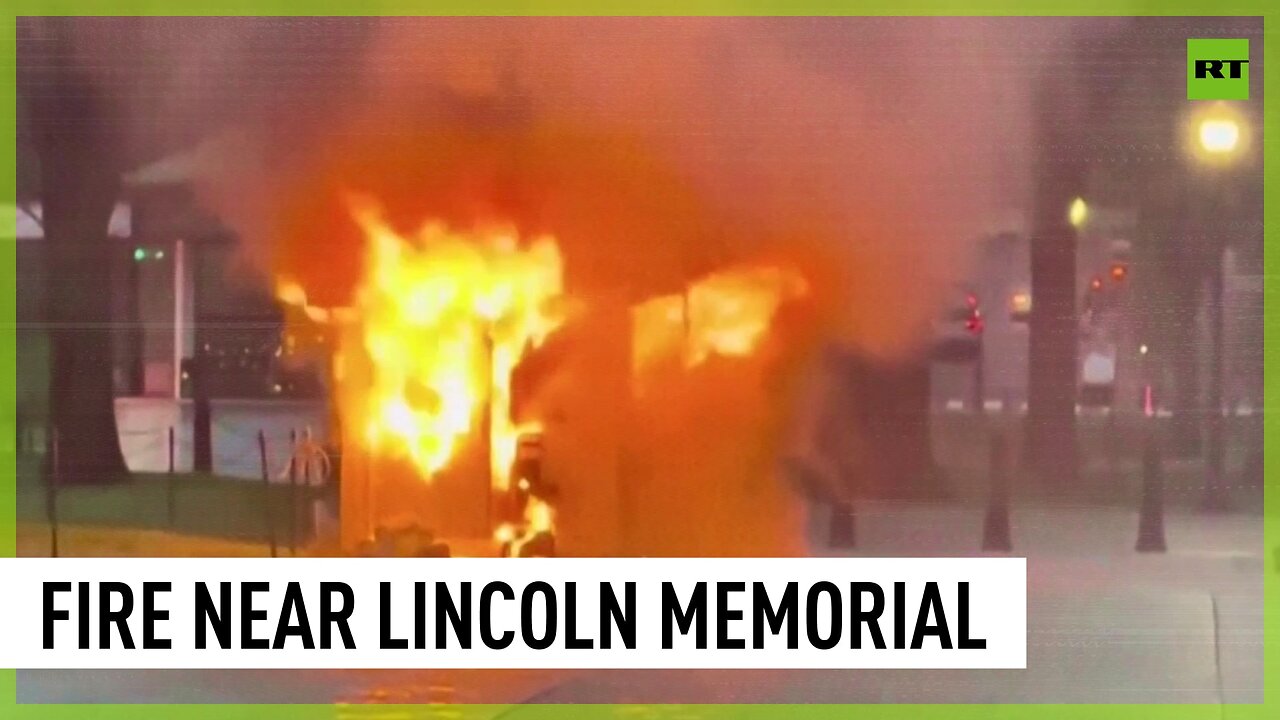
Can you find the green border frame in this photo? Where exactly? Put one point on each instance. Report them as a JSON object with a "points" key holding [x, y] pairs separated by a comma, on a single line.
{"points": [[1268, 10]]}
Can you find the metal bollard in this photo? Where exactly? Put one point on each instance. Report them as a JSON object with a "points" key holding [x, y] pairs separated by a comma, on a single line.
{"points": [[1151, 513], [53, 482], [293, 492], [268, 520], [996, 533], [170, 489]]}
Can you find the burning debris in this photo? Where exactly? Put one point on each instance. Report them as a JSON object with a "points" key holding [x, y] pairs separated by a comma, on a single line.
{"points": [[408, 539], [532, 493]]}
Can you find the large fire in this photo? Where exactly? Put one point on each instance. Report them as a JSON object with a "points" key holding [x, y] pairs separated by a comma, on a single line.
{"points": [[444, 317], [726, 313]]}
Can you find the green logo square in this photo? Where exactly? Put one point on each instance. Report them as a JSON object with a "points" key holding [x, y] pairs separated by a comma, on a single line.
{"points": [[1217, 69]]}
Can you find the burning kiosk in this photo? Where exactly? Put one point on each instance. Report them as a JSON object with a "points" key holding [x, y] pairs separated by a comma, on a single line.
{"points": [[479, 400]]}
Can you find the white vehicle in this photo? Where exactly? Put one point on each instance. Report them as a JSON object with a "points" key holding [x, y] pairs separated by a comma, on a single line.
{"points": [[1099, 353]]}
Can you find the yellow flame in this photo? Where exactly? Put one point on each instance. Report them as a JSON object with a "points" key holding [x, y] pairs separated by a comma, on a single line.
{"points": [[539, 517], [505, 533], [726, 313], [291, 293], [441, 319], [445, 319]]}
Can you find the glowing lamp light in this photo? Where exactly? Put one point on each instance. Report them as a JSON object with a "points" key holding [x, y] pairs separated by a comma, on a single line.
{"points": [[140, 254], [1078, 213], [1219, 136], [1095, 284], [1119, 272]]}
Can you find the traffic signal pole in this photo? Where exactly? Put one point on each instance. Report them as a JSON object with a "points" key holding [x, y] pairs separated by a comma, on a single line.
{"points": [[979, 378]]}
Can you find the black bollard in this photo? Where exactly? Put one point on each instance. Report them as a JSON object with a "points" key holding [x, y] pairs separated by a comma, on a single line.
{"points": [[842, 531], [996, 534], [170, 489], [54, 480], [293, 492], [268, 520], [1151, 514]]}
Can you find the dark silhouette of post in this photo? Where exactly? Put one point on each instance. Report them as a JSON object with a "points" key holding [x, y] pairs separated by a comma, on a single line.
{"points": [[202, 414], [979, 379], [170, 489], [996, 534], [268, 520], [1151, 514], [52, 483], [293, 492]]}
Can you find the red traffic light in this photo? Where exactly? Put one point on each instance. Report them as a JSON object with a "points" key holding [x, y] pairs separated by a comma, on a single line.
{"points": [[1119, 271], [975, 323]]}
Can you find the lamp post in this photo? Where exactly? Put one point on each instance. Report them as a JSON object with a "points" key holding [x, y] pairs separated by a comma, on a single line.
{"points": [[1218, 142]]}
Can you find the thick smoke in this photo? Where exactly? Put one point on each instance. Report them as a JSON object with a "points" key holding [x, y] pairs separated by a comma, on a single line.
{"points": [[654, 149], [868, 153]]}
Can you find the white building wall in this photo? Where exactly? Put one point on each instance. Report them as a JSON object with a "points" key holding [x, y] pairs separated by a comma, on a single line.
{"points": [[144, 425]]}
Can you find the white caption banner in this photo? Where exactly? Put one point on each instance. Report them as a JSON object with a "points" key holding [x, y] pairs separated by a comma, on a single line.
{"points": [[983, 604]]}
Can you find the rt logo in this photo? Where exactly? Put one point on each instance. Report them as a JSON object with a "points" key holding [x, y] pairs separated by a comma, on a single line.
{"points": [[1217, 69]]}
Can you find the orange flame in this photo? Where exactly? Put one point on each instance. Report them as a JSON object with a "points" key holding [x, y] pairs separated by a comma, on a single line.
{"points": [[444, 317], [440, 320], [538, 518], [726, 313]]}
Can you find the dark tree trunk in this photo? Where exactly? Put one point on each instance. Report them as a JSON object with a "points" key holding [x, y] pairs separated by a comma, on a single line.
{"points": [[82, 404], [1051, 396], [77, 144]]}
